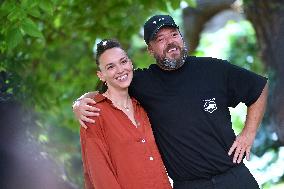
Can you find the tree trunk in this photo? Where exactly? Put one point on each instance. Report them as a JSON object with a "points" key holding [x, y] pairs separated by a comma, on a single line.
{"points": [[267, 18]]}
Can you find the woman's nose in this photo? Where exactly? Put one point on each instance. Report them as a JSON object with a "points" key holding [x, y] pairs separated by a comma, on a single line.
{"points": [[120, 69]]}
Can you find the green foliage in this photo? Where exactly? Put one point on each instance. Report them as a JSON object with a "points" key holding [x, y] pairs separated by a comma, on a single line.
{"points": [[13, 38], [46, 55], [247, 2], [30, 28], [17, 20], [236, 42], [273, 186], [245, 50]]}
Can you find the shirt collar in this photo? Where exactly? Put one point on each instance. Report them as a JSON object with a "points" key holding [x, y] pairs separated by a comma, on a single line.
{"points": [[99, 98]]}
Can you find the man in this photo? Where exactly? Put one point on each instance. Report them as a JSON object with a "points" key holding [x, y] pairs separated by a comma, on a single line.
{"points": [[187, 100]]}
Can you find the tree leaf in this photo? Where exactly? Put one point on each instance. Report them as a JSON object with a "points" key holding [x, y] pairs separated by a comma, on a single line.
{"points": [[46, 6], [15, 14], [31, 28], [175, 4], [28, 4], [7, 5], [34, 12], [13, 38], [6, 8]]}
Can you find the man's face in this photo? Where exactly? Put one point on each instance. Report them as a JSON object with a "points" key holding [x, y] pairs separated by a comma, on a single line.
{"points": [[167, 45]]}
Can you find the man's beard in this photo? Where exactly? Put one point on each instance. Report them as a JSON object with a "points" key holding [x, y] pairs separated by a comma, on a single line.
{"points": [[169, 64]]}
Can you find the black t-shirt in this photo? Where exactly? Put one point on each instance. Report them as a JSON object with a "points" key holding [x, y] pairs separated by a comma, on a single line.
{"points": [[188, 110]]}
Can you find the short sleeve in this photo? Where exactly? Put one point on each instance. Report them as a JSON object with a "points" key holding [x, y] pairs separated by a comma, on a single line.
{"points": [[243, 85]]}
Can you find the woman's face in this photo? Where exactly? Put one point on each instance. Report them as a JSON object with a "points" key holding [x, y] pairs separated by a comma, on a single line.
{"points": [[116, 69]]}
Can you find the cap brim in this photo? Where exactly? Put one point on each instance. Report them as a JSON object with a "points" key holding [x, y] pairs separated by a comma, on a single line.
{"points": [[161, 26]]}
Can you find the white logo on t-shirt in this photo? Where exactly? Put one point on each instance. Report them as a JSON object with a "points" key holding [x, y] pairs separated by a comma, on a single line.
{"points": [[210, 105]]}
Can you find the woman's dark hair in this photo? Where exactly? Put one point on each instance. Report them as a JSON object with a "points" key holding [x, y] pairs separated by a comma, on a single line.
{"points": [[104, 45]]}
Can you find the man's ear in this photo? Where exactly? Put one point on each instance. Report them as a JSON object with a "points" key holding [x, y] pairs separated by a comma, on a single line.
{"points": [[150, 49], [100, 75]]}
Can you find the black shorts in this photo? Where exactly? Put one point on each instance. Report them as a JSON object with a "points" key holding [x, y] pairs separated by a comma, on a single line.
{"points": [[237, 177]]}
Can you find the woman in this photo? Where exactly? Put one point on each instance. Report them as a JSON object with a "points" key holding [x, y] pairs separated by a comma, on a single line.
{"points": [[119, 151]]}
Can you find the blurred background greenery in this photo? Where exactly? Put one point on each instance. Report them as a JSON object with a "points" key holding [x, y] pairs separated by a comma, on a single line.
{"points": [[46, 62]]}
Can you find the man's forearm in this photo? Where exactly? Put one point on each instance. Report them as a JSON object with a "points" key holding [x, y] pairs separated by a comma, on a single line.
{"points": [[255, 112], [86, 95], [245, 139], [89, 94]]}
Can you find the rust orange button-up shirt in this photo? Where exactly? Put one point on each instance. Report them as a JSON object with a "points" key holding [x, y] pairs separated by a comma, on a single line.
{"points": [[117, 155]]}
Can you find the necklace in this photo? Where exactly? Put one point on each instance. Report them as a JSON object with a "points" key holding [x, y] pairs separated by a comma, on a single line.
{"points": [[126, 107]]}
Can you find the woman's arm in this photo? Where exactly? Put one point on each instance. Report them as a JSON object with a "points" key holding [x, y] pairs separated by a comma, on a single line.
{"points": [[98, 169]]}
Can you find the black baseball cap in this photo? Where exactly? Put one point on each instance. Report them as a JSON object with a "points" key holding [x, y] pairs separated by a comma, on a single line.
{"points": [[155, 23]]}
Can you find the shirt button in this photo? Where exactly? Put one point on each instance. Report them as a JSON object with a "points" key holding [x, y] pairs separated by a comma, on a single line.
{"points": [[143, 140], [151, 158]]}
